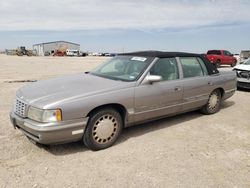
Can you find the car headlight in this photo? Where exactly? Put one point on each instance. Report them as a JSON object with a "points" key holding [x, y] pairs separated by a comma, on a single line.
{"points": [[44, 116]]}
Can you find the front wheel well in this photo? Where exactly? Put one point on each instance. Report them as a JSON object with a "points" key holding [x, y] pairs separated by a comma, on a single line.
{"points": [[118, 107]]}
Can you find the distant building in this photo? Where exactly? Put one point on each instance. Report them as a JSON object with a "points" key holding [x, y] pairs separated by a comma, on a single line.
{"points": [[51, 47]]}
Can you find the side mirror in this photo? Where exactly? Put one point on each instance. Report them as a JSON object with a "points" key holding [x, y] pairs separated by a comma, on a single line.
{"points": [[153, 78]]}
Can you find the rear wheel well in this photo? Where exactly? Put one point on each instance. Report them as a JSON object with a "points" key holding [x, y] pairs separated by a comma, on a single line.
{"points": [[222, 92], [118, 107]]}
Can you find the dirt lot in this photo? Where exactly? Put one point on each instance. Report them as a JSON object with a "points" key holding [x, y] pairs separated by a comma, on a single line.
{"points": [[189, 150]]}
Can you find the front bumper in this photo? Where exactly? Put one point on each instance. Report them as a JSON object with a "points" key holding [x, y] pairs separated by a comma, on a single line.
{"points": [[50, 133], [243, 83]]}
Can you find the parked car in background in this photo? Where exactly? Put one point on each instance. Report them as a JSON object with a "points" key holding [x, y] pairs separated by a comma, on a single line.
{"points": [[126, 90], [72, 53], [83, 54], [47, 53], [243, 74], [95, 54], [221, 57], [109, 54], [237, 56], [244, 55]]}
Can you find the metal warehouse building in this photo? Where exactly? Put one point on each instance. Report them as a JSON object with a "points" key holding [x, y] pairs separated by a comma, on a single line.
{"points": [[51, 47]]}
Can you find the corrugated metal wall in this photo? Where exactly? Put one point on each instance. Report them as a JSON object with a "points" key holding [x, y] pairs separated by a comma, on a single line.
{"points": [[53, 46]]}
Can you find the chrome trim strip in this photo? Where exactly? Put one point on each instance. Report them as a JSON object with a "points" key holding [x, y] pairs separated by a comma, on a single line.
{"points": [[197, 97], [162, 108], [229, 91], [80, 131], [131, 111], [193, 101]]}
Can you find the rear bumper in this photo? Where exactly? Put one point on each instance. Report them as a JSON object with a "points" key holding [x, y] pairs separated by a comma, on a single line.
{"points": [[50, 133], [228, 94]]}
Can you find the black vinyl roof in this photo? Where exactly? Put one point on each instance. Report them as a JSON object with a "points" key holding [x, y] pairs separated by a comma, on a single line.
{"points": [[161, 54]]}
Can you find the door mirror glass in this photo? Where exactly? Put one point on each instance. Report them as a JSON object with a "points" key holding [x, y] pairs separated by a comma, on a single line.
{"points": [[153, 78]]}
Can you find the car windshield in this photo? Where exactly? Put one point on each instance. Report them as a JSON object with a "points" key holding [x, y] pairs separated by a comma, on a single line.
{"points": [[247, 62], [125, 68]]}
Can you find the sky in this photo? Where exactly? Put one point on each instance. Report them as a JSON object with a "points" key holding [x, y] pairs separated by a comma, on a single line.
{"points": [[122, 26]]}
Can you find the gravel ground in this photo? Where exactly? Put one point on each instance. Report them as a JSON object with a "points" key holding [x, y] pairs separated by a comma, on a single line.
{"points": [[189, 150]]}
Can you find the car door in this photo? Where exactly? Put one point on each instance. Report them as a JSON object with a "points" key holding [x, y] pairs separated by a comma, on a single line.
{"points": [[159, 98], [228, 57], [197, 84], [231, 58]]}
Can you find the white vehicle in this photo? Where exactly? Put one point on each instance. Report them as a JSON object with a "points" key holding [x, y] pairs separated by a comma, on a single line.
{"points": [[72, 52], [244, 54], [243, 74], [95, 54], [237, 56]]}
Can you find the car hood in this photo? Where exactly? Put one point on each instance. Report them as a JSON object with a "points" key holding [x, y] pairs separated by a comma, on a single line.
{"points": [[57, 90], [243, 67]]}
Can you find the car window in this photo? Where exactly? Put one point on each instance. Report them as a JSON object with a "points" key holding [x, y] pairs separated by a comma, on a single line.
{"points": [[214, 52], [166, 68], [191, 67], [116, 66], [125, 68], [227, 53], [247, 62], [204, 68]]}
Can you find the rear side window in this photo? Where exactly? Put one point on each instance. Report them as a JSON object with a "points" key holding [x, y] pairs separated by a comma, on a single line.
{"points": [[227, 53], [214, 52], [204, 68], [191, 67]]}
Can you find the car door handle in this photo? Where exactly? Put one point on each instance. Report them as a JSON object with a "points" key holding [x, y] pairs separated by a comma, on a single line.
{"points": [[177, 89]]}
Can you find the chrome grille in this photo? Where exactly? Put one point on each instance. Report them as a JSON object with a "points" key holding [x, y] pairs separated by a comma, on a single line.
{"points": [[20, 108]]}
